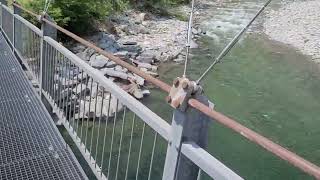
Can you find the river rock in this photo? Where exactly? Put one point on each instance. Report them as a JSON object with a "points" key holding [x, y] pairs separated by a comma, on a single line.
{"points": [[130, 48], [112, 72], [81, 89], [146, 58], [193, 45], [99, 62], [122, 54]]}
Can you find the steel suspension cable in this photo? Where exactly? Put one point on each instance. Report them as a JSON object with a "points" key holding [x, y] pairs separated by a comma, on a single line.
{"points": [[46, 6], [249, 134], [188, 39], [234, 41]]}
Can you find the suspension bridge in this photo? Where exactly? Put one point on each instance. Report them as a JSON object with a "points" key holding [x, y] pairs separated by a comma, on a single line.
{"points": [[109, 139]]}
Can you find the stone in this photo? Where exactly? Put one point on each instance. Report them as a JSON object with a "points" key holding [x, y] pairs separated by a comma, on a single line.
{"points": [[126, 43], [139, 80], [93, 57], [120, 69], [146, 92], [122, 54], [86, 54], [146, 58], [111, 64], [146, 65], [179, 59], [142, 17], [81, 89], [134, 90], [66, 82], [112, 72], [193, 45], [99, 62], [80, 76], [130, 48]]}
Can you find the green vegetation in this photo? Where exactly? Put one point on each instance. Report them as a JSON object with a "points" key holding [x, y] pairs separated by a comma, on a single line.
{"points": [[80, 16]]}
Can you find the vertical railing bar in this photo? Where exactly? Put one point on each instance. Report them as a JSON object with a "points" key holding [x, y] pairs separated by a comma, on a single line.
{"points": [[50, 85], [140, 150], [105, 133], [38, 55], [121, 138], [64, 88], [75, 103], [30, 52], [199, 174], [99, 126], [79, 111], [130, 145], [54, 76], [84, 107], [112, 137], [45, 72], [42, 59], [94, 119], [34, 56], [60, 79], [13, 30], [57, 72], [88, 118], [152, 155], [70, 82]]}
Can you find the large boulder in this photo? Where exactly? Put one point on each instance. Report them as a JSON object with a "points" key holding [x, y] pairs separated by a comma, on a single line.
{"points": [[99, 62]]}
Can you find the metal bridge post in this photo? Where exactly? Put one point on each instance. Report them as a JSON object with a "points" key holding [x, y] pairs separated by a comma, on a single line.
{"points": [[191, 125], [46, 74], [17, 35], [1, 15]]}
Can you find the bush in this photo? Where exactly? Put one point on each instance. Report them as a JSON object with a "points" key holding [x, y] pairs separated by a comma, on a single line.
{"points": [[77, 16]]}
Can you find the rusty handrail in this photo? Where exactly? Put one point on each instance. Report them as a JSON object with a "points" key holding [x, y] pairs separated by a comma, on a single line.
{"points": [[249, 134], [267, 144], [26, 10]]}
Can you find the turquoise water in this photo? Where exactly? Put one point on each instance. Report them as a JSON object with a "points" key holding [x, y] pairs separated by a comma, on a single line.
{"points": [[269, 88], [265, 85]]}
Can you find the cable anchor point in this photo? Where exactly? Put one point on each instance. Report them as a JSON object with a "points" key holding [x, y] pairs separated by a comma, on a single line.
{"points": [[181, 91]]}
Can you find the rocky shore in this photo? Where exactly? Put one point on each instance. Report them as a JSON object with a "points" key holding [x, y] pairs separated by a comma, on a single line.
{"points": [[297, 24], [143, 40]]}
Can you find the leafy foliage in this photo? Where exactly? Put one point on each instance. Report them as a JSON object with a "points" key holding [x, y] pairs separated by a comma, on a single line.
{"points": [[77, 15], [80, 16]]}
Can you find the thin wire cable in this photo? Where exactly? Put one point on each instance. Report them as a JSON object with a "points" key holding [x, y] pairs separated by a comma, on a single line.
{"points": [[140, 150], [121, 139], [188, 39], [152, 155], [234, 41], [130, 145], [46, 6]]}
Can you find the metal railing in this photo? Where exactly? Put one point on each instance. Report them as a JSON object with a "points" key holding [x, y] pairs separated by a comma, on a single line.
{"points": [[77, 92], [7, 23], [118, 136]]}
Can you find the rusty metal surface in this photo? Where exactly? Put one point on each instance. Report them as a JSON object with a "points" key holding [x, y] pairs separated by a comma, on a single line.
{"points": [[26, 10], [267, 144]]}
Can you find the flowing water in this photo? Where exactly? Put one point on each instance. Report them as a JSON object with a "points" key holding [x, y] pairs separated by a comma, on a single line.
{"points": [[265, 85]]}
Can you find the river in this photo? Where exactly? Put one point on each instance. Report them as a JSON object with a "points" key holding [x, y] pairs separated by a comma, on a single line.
{"points": [[267, 86]]}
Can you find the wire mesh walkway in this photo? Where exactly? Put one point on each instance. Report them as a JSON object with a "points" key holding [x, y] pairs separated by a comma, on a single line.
{"points": [[31, 147]]}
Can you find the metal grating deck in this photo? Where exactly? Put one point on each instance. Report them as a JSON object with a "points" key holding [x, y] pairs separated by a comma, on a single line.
{"points": [[31, 147]]}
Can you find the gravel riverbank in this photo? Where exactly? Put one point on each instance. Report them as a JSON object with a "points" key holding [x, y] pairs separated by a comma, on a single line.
{"points": [[297, 24]]}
